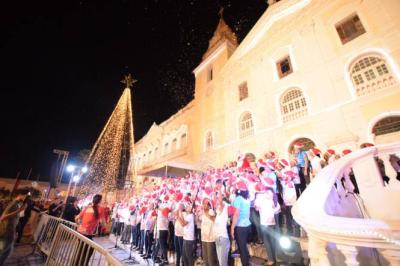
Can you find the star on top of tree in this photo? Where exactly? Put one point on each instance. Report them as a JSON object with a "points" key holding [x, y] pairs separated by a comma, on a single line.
{"points": [[128, 81]]}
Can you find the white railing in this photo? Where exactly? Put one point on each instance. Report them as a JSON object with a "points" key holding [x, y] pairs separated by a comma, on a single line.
{"points": [[46, 230], [71, 248], [344, 228]]}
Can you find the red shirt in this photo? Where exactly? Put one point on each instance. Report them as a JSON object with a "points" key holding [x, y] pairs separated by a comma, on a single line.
{"points": [[89, 221]]}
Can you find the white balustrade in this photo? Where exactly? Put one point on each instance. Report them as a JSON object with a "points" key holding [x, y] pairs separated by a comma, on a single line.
{"points": [[364, 228]]}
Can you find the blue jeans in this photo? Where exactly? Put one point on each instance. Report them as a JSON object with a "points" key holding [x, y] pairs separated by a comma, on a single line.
{"points": [[178, 242], [241, 237], [269, 238], [222, 245]]}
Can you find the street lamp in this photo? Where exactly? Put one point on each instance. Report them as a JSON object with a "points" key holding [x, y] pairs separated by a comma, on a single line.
{"points": [[71, 168]]}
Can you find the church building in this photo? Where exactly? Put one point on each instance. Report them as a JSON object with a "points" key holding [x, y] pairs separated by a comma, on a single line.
{"points": [[323, 72]]}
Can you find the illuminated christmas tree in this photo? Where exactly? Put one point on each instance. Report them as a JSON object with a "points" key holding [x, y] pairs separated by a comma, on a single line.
{"points": [[110, 159]]}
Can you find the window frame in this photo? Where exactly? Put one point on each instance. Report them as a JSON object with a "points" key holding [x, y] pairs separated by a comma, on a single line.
{"points": [[243, 87], [278, 65], [347, 21]]}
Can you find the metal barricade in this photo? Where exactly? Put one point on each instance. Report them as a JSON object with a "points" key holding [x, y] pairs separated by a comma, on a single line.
{"points": [[46, 230], [71, 248]]}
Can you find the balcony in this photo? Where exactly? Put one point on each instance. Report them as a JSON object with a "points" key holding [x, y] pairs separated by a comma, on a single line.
{"points": [[345, 228]]}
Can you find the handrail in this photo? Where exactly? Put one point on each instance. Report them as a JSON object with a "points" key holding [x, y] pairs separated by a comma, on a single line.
{"points": [[46, 229], [71, 248], [310, 209]]}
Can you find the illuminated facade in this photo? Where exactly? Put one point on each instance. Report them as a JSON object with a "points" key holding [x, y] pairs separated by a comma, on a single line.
{"points": [[325, 71]]}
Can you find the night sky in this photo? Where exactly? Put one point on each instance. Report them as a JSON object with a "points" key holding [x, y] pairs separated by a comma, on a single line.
{"points": [[62, 62]]}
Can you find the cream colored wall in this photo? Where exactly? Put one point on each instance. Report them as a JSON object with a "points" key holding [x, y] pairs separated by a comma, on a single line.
{"points": [[336, 118]]}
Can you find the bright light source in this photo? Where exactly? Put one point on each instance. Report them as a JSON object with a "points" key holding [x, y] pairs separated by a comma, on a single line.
{"points": [[76, 178], [71, 168], [285, 242], [84, 169]]}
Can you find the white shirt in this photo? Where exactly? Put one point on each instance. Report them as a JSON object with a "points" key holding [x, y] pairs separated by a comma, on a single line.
{"points": [[188, 229], [207, 227], [221, 222], [289, 193], [162, 221], [316, 165], [265, 204], [296, 178]]}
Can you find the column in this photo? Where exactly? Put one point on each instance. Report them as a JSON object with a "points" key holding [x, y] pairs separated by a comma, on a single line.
{"points": [[350, 253], [317, 252], [392, 256]]}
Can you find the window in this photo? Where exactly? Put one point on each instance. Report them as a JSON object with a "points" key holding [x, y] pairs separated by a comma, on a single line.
{"points": [[350, 28], [183, 140], [174, 144], [156, 152], [246, 125], [387, 125], [209, 140], [210, 74], [284, 67], [166, 146], [370, 73], [293, 105], [150, 158], [243, 91]]}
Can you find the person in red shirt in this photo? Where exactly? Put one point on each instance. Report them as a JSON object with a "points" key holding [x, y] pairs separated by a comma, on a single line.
{"points": [[88, 220]]}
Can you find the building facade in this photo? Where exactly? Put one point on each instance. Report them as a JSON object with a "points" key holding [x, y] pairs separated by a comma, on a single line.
{"points": [[326, 72]]}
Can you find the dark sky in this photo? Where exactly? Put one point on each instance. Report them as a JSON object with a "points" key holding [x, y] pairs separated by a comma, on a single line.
{"points": [[62, 62]]}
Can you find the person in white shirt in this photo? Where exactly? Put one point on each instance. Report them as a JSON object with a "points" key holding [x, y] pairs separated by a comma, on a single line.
{"points": [[162, 227], [207, 237], [267, 208], [178, 230], [222, 242], [187, 221], [316, 162]]}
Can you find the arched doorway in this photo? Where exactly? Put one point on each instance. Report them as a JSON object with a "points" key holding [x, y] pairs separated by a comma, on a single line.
{"points": [[307, 143], [387, 130]]}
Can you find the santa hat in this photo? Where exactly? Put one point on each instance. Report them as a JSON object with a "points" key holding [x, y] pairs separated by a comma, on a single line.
{"points": [[298, 144], [346, 151], [259, 187], [284, 162], [269, 181], [331, 152], [241, 185], [271, 166], [261, 163], [270, 154], [165, 211], [366, 145], [178, 196], [315, 151]]}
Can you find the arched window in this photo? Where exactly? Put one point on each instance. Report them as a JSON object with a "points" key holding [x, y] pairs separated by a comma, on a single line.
{"points": [[209, 140], [293, 105], [246, 125], [156, 153], [150, 155], [387, 125], [183, 140], [370, 73]]}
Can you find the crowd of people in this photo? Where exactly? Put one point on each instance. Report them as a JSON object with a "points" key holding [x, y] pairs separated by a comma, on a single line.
{"points": [[216, 212], [223, 209]]}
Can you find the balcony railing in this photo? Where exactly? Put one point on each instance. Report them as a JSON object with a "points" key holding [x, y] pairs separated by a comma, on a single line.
{"points": [[345, 228]]}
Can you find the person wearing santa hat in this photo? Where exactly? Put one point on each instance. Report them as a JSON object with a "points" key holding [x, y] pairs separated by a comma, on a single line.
{"points": [[302, 164], [240, 226], [267, 207], [187, 221], [162, 228], [178, 230], [316, 162], [209, 254], [220, 231]]}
